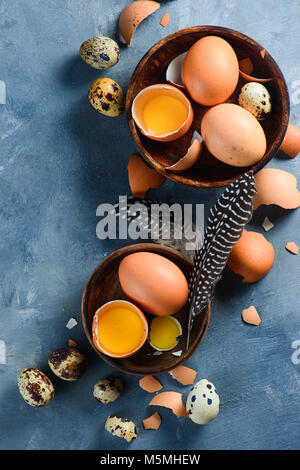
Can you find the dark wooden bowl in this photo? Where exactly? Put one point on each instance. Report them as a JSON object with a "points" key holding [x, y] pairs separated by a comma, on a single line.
{"points": [[103, 286], [208, 171]]}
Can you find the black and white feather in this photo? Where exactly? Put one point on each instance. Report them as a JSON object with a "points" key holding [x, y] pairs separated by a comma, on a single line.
{"points": [[225, 225]]}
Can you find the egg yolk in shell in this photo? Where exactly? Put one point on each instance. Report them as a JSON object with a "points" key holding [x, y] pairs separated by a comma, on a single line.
{"points": [[164, 114]]}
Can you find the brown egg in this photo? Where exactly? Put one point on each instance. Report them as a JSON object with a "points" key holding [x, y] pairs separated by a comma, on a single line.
{"points": [[210, 71], [291, 141], [233, 135], [154, 282], [251, 257]]}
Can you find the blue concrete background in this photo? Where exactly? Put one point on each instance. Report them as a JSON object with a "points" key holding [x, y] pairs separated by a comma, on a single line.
{"points": [[60, 159]]}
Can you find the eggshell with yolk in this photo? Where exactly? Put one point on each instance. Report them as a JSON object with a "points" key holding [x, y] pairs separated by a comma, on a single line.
{"points": [[153, 91], [252, 256], [154, 282], [233, 135], [210, 71]]}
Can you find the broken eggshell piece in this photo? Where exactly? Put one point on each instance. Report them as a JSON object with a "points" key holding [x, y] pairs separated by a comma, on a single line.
{"points": [[192, 155], [172, 400], [152, 92], [141, 177], [291, 141], [133, 14], [173, 74], [276, 187]]}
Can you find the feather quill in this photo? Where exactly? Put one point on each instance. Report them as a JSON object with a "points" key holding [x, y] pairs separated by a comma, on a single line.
{"points": [[225, 225]]}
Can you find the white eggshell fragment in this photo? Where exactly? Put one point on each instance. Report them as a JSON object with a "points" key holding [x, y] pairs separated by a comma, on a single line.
{"points": [[108, 390], [256, 99], [203, 402], [121, 427], [35, 387], [173, 74]]}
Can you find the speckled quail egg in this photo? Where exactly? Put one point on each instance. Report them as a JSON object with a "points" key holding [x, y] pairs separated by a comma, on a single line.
{"points": [[107, 97], [100, 52], [67, 363], [121, 427], [35, 387], [108, 390], [202, 403], [256, 99]]}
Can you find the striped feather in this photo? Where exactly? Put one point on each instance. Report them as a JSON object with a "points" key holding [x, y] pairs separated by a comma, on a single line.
{"points": [[225, 225]]}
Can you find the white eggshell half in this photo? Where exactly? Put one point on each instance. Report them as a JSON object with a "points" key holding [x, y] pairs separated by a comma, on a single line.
{"points": [[173, 74]]}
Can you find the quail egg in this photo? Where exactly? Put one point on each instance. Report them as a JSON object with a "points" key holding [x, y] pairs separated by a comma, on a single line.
{"points": [[35, 387], [202, 403], [67, 363], [108, 390], [121, 427], [256, 99], [100, 52], [107, 97]]}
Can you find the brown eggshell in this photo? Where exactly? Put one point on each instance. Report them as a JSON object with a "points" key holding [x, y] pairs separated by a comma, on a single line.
{"points": [[292, 248], [249, 78], [246, 65], [276, 187], [291, 141], [191, 156], [172, 400], [153, 422], [153, 282], [210, 71], [173, 73], [165, 19], [250, 315], [150, 384], [263, 53], [184, 375], [141, 177], [251, 257], [133, 14], [233, 135]]}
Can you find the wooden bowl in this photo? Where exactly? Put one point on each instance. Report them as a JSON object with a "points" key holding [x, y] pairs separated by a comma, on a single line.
{"points": [[103, 286], [208, 172]]}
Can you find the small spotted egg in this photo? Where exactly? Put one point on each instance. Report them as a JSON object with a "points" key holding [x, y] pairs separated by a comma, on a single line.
{"points": [[100, 52], [107, 97], [35, 387], [202, 403], [67, 363], [108, 390], [256, 99], [121, 427]]}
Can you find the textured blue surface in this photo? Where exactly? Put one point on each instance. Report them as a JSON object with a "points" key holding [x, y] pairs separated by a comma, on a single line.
{"points": [[60, 159]]}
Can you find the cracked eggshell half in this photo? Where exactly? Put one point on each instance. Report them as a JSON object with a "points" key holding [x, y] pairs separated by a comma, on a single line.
{"points": [[173, 74], [276, 187], [133, 14], [191, 156], [157, 91]]}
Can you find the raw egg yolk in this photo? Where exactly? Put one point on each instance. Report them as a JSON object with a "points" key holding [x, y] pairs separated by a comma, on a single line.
{"points": [[164, 332], [120, 330], [164, 114]]}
